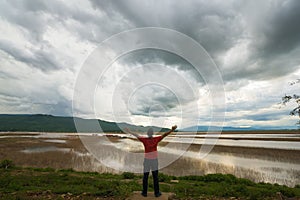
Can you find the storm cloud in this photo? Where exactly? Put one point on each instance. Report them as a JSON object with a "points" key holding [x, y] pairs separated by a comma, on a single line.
{"points": [[255, 45]]}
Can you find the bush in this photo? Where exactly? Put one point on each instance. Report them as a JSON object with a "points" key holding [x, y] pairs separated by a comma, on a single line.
{"points": [[286, 191], [164, 178], [108, 189], [191, 178], [228, 178], [6, 164], [47, 169], [128, 175], [246, 182], [67, 170]]}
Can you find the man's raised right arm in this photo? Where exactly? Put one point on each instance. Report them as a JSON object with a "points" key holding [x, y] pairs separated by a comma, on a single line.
{"points": [[132, 133]]}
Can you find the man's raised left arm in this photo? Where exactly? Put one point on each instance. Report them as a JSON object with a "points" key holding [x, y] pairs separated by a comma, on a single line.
{"points": [[170, 131]]}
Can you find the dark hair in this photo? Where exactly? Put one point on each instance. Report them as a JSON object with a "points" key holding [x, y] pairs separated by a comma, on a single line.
{"points": [[150, 132]]}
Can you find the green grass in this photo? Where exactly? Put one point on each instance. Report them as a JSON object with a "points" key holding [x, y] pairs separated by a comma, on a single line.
{"points": [[40, 183], [31, 180]]}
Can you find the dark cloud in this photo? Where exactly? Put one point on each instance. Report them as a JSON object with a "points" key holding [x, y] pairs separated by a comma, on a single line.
{"points": [[281, 29], [33, 105], [152, 100], [32, 19], [212, 24], [29, 16], [273, 41], [146, 56], [38, 58], [264, 35], [270, 28]]}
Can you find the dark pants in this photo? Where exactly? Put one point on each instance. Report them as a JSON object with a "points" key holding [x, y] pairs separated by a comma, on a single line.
{"points": [[150, 164]]}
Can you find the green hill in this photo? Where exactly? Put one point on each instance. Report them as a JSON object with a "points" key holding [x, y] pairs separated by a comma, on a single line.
{"points": [[49, 123]]}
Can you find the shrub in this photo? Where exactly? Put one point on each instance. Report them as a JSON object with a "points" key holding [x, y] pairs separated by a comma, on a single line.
{"points": [[287, 191], [191, 178], [47, 169], [67, 170], [128, 175], [164, 178], [6, 164], [228, 178]]}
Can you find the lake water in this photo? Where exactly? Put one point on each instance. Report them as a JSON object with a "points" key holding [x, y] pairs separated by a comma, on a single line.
{"points": [[44, 149], [292, 145], [189, 162], [262, 169]]}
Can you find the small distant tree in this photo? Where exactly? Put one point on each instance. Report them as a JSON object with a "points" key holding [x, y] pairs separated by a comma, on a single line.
{"points": [[296, 98]]}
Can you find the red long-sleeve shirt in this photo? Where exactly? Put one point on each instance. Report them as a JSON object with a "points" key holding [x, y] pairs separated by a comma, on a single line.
{"points": [[150, 145]]}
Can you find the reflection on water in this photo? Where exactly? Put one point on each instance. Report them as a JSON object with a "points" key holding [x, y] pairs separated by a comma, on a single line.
{"points": [[242, 143], [269, 171], [44, 149], [55, 141]]}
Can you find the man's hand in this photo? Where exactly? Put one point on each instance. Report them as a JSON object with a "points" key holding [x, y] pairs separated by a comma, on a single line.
{"points": [[174, 127]]}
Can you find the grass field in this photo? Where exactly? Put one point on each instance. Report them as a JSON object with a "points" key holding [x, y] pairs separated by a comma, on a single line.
{"points": [[49, 183]]}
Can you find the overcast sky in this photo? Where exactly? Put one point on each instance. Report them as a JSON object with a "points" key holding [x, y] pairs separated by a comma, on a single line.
{"points": [[255, 45]]}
